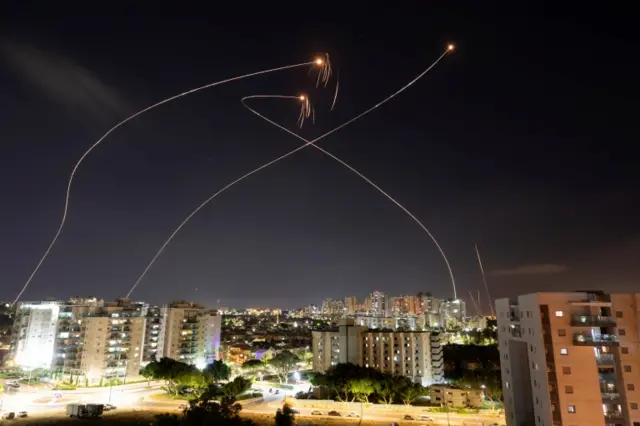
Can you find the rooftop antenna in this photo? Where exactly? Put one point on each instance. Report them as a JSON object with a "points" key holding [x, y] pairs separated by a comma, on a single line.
{"points": [[484, 280]]}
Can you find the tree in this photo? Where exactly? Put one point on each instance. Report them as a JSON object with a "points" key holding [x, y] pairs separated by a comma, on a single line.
{"points": [[217, 372], [252, 365], [411, 392], [284, 363], [385, 388], [226, 412], [175, 374], [285, 416], [360, 389], [237, 386]]}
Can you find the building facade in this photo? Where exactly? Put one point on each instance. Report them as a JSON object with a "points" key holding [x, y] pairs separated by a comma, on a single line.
{"points": [[454, 397], [34, 334], [570, 359], [191, 333], [106, 340], [417, 355]]}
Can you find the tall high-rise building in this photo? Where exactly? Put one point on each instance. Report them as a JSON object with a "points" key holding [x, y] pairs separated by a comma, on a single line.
{"points": [[191, 333], [96, 339], [81, 336], [426, 303], [34, 334], [351, 306], [403, 305], [332, 307], [570, 358], [453, 312], [379, 304], [417, 355]]}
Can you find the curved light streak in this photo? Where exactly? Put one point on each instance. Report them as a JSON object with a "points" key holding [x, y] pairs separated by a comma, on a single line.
{"points": [[357, 173], [126, 120], [282, 157]]}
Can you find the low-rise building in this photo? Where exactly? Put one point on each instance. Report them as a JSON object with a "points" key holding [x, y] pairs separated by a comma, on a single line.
{"points": [[455, 397]]}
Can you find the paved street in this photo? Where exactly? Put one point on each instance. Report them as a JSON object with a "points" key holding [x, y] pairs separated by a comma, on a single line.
{"points": [[128, 397]]}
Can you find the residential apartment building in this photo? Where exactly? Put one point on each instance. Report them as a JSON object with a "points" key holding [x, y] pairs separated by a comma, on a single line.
{"points": [[34, 334], [570, 359], [103, 340], [453, 313], [191, 333], [403, 305], [377, 304], [417, 355]]}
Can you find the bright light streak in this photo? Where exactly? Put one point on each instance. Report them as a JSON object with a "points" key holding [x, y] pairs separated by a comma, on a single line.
{"points": [[323, 72], [360, 175], [282, 157]]}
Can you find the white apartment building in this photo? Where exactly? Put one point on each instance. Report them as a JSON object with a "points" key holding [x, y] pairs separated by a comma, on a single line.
{"points": [[417, 355], [191, 333], [103, 340], [34, 334], [570, 359]]}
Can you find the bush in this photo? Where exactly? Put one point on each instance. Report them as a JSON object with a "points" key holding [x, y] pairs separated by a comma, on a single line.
{"points": [[249, 395]]}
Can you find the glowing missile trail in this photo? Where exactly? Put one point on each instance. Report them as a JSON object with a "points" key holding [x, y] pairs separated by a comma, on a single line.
{"points": [[484, 279], [323, 75], [360, 175], [282, 157]]}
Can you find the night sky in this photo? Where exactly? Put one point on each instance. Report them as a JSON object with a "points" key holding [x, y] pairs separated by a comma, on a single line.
{"points": [[523, 141]]}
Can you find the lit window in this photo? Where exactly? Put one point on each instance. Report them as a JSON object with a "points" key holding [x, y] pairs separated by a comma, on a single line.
{"points": [[564, 351], [572, 408], [559, 313]]}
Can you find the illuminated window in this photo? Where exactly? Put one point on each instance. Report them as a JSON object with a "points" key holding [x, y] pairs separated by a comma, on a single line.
{"points": [[572, 408], [564, 351], [559, 313]]}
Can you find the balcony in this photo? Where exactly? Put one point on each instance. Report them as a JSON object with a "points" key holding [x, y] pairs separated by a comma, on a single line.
{"points": [[582, 339], [592, 321], [605, 359], [614, 415], [608, 396]]}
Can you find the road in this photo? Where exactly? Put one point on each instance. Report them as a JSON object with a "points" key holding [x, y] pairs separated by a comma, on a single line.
{"points": [[128, 397], [39, 400]]}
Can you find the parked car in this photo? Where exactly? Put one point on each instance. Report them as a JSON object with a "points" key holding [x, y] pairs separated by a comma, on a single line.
{"points": [[408, 417], [109, 407], [334, 413], [9, 416], [353, 414], [22, 414], [316, 413], [427, 418]]}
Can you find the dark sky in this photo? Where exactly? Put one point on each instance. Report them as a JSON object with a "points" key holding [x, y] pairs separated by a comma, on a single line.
{"points": [[523, 141]]}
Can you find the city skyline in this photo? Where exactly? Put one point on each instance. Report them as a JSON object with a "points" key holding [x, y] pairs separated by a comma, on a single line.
{"points": [[518, 142]]}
